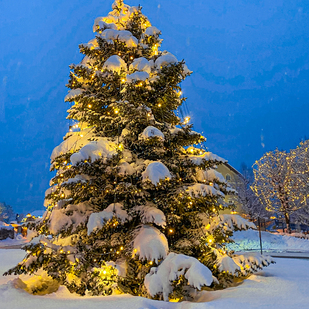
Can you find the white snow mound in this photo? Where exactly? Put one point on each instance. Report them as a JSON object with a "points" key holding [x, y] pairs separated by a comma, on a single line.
{"points": [[110, 35], [137, 76], [99, 23], [165, 59], [115, 63], [160, 278], [141, 64], [225, 263], [209, 175], [150, 214], [150, 244], [75, 141], [153, 31], [98, 219], [94, 150], [155, 172], [151, 131]]}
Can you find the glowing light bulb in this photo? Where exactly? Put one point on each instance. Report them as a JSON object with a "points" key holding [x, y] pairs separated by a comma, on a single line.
{"points": [[89, 105], [159, 105]]}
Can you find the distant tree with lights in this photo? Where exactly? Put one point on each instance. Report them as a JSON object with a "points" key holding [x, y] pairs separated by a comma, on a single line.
{"points": [[134, 206], [249, 201], [281, 182]]}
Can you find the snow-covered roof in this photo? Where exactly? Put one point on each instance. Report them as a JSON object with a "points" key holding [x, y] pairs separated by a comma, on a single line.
{"points": [[37, 213]]}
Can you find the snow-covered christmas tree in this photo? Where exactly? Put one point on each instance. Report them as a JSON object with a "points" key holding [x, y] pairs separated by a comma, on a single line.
{"points": [[134, 206]]}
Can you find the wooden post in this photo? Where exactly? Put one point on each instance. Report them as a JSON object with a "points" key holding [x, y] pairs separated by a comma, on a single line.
{"points": [[260, 235]]}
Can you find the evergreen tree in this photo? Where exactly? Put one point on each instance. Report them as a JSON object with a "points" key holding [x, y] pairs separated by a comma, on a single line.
{"points": [[135, 202], [6, 213]]}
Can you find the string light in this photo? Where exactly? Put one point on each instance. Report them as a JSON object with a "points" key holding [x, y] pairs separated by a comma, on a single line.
{"points": [[186, 120]]}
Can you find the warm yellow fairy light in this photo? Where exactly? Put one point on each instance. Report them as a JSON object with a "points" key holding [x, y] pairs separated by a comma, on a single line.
{"points": [[62, 195], [121, 248], [187, 119], [116, 111], [89, 105], [150, 262], [104, 272], [81, 135], [123, 80], [207, 227], [159, 105], [171, 231], [131, 57]]}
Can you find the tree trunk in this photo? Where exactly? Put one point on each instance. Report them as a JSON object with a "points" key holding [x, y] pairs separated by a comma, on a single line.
{"points": [[287, 220]]}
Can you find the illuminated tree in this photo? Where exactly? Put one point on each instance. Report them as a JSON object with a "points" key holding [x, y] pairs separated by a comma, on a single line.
{"points": [[249, 201], [278, 184], [136, 198], [300, 168]]}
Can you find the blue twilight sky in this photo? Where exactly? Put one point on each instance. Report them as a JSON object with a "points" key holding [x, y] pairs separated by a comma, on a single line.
{"points": [[248, 93]]}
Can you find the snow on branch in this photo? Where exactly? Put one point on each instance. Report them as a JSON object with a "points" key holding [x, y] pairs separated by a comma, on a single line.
{"points": [[206, 156], [99, 23], [141, 64], [152, 31], [75, 140], [102, 148], [251, 262], [201, 189], [209, 175], [137, 76], [59, 219], [155, 172], [150, 214], [166, 59], [229, 223], [73, 93], [227, 264], [151, 131], [150, 244], [115, 63], [125, 36], [160, 279], [98, 219]]}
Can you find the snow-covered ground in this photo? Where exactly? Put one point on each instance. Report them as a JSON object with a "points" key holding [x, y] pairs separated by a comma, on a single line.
{"points": [[282, 285], [249, 240], [19, 240]]}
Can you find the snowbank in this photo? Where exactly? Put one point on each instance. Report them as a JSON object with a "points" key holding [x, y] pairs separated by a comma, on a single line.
{"points": [[249, 240], [283, 285]]}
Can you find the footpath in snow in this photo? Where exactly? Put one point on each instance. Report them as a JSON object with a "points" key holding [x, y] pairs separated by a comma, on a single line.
{"points": [[283, 285]]}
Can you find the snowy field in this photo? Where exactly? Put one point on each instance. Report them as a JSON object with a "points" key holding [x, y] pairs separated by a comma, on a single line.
{"points": [[249, 240], [281, 285]]}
